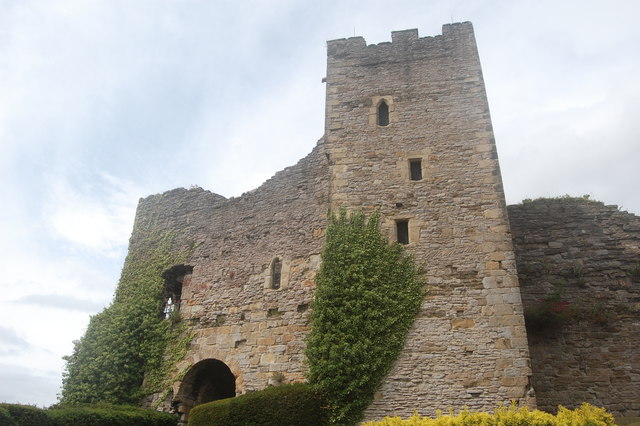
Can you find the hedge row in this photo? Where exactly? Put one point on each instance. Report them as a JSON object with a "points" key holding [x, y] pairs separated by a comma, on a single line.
{"points": [[512, 416], [293, 404], [24, 415], [83, 415]]}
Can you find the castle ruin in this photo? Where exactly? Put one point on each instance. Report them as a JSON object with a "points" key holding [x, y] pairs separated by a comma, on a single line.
{"points": [[408, 132]]}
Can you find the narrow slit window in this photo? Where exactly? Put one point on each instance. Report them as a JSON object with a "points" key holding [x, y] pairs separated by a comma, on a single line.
{"points": [[402, 231], [276, 273], [415, 169], [383, 114]]}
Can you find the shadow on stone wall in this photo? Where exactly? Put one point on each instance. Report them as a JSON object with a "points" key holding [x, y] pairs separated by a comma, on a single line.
{"points": [[579, 269]]}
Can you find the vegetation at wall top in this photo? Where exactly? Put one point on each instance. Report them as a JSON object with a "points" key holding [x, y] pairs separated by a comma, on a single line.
{"points": [[293, 404], [565, 197], [129, 337], [512, 416], [367, 297]]}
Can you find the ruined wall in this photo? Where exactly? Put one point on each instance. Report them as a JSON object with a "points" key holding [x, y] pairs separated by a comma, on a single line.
{"points": [[590, 254], [468, 346], [257, 331], [431, 164]]}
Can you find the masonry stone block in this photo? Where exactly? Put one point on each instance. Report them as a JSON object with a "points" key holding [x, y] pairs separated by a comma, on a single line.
{"points": [[590, 248]]}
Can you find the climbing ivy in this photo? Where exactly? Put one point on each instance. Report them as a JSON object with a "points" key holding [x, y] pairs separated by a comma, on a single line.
{"points": [[130, 338], [368, 294]]}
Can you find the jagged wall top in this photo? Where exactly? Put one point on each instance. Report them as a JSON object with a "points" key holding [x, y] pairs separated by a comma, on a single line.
{"points": [[400, 41]]}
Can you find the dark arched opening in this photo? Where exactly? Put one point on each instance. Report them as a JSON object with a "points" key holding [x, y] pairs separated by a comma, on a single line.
{"points": [[383, 114], [207, 381]]}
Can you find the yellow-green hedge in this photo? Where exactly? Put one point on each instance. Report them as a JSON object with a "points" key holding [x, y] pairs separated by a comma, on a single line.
{"points": [[586, 415]]}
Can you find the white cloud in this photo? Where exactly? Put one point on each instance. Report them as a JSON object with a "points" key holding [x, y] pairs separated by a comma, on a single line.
{"points": [[265, 134], [107, 101], [66, 302], [98, 218], [11, 343], [29, 385]]}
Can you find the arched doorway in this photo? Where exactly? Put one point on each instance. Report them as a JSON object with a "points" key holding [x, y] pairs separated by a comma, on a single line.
{"points": [[208, 380]]}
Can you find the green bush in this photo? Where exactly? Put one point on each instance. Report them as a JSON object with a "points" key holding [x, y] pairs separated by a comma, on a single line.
{"points": [[130, 341], [294, 404], [24, 415], [108, 415], [5, 417], [586, 415], [367, 297]]}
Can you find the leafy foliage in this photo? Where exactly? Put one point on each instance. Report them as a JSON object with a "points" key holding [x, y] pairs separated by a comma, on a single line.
{"points": [[294, 404], [109, 415], [368, 294], [565, 197], [83, 415], [5, 417], [18, 415], [129, 337], [512, 416]]}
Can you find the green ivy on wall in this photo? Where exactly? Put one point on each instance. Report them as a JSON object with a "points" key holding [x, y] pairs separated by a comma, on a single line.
{"points": [[368, 295], [130, 337]]}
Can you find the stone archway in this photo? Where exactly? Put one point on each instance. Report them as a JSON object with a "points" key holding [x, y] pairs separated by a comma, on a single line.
{"points": [[208, 380]]}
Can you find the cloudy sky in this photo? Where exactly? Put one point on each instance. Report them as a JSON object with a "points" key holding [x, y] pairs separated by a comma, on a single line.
{"points": [[106, 101]]}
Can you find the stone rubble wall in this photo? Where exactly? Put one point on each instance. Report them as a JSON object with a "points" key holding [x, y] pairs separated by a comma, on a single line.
{"points": [[592, 252], [468, 346], [257, 331]]}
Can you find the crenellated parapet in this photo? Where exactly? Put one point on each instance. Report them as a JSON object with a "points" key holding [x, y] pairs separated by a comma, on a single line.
{"points": [[401, 42]]}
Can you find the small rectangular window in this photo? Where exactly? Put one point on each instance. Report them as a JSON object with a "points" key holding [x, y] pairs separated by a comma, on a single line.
{"points": [[402, 231], [415, 169]]}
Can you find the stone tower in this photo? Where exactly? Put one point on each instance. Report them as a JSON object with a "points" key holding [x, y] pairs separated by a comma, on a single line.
{"points": [[408, 131]]}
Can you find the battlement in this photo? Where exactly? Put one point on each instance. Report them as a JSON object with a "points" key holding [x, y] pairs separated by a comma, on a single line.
{"points": [[403, 40]]}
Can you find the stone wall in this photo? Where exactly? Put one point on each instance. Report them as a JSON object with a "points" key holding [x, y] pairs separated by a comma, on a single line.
{"points": [[468, 346], [257, 331], [590, 254]]}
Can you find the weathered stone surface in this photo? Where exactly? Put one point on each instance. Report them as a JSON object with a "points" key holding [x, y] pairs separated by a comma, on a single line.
{"points": [[468, 345], [255, 330], [458, 225], [592, 252]]}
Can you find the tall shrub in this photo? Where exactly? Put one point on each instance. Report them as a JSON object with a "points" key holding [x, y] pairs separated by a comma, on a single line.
{"points": [[368, 294], [129, 338]]}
